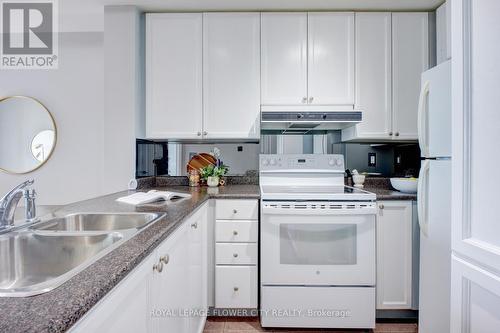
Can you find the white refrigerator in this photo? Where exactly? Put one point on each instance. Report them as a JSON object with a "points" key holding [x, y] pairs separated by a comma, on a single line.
{"points": [[434, 199]]}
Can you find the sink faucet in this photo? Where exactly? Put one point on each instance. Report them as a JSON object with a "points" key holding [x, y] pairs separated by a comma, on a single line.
{"points": [[9, 203]]}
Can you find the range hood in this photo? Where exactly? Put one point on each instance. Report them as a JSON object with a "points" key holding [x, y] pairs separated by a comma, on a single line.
{"points": [[308, 120]]}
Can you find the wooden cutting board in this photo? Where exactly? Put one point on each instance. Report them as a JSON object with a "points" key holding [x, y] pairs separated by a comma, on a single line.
{"points": [[200, 161]]}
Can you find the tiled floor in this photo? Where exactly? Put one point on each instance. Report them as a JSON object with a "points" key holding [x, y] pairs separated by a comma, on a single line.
{"points": [[249, 325]]}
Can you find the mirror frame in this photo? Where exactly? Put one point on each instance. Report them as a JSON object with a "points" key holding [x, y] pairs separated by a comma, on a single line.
{"points": [[55, 134]]}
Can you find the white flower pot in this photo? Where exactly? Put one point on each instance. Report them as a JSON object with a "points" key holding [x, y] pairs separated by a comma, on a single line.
{"points": [[213, 181]]}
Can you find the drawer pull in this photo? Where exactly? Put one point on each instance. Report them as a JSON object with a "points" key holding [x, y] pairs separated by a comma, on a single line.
{"points": [[235, 211], [236, 288], [235, 255], [165, 259], [235, 233], [194, 225], [158, 267]]}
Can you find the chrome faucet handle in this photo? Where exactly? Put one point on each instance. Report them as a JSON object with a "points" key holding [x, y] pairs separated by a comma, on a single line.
{"points": [[3, 201], [30, 206], [9, 202]]}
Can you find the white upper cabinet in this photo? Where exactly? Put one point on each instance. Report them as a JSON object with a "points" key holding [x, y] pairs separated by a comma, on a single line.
{"points": [[410, 57], [331, 58], [373, 77], [391, 54], [307, 58], [231, 75], [284, 58], [173, 75]]}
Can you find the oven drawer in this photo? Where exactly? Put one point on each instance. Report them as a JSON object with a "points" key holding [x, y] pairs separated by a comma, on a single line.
{"points": [[236, 287], [318, 307], [236, 231], [236, 210], [236, 253]]}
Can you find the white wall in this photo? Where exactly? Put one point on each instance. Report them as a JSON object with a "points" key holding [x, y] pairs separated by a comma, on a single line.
{"points": [[74, 95], [124, 98]]}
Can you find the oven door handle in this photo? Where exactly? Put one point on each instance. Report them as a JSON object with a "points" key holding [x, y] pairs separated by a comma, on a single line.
{"points": [[319, 211]]}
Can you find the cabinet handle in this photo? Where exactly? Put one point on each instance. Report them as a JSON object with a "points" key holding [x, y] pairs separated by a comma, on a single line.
{"points": [[304, 99], [397, 134], [390, 133], [199, 133], [194, 225], [235, 255], [381, 206], [158, 267], [235, 233], [311, 99], [164, 259], [235, 211], [236, 288], [205, 132]]}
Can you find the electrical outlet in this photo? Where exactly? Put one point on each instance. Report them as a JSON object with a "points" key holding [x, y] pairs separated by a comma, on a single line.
{"points": [[372, 159]]}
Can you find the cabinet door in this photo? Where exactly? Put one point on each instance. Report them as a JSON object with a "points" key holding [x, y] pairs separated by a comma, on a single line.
{"points": [[373, 76], [394, 255], [231, 81], [171, 285], [475, 224], [173, 75], [284, 58], [331, 58], [126, 309], [197, 269], [410, 57]]}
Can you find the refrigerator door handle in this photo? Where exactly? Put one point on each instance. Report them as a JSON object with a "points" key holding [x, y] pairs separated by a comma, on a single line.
{"points": [[422, 197], [422, 119]]}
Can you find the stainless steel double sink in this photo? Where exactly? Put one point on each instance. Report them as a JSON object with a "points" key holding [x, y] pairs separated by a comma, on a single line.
{"points": [[41, 257]]}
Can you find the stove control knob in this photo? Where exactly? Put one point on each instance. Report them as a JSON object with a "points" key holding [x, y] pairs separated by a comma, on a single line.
{"points": [[273, 161], [331, 162], [339, 162], [265, 162]]}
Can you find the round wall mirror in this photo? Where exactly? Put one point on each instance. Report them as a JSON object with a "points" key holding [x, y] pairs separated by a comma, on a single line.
{"points": [[27, 134]]}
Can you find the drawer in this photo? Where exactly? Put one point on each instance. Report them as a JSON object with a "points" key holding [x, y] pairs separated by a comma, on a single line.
{"points": [[237, 210], [236, 231], [350, 307], [236, 286], [236, 253]]}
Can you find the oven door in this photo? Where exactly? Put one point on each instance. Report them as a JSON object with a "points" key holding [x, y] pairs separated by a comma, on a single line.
{"points": [[318, 243]]}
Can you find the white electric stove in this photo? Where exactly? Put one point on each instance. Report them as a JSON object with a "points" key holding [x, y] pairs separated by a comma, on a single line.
{"points": [[317, 245]]}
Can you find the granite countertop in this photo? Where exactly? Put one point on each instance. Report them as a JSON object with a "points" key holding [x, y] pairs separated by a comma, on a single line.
{"points": [[59, 309], [381, 187], [389, 194]]}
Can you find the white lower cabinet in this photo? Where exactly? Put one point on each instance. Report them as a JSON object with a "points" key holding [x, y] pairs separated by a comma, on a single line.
{"points": [[168, 294], [394, 255], [236, 286], [165, 293], [236, 253], [126, 308]]}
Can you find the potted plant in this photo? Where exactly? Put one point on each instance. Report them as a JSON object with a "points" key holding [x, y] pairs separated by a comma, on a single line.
{"points": [[212, 174]]}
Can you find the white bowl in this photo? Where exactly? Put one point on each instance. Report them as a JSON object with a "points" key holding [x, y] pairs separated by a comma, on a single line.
{"points": [[405, 185]]}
